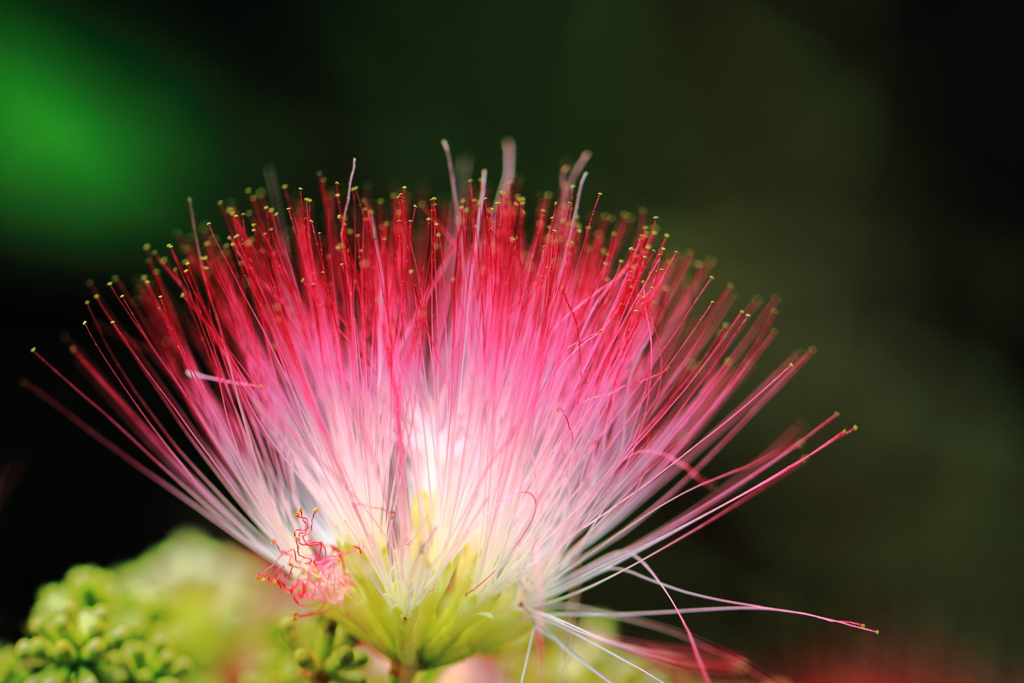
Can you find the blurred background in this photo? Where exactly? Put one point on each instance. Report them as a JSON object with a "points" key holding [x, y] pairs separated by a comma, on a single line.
{"points": [[858, 157]]}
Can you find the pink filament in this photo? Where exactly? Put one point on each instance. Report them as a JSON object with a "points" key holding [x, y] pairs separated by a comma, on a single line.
{"points": [[313, 573]]}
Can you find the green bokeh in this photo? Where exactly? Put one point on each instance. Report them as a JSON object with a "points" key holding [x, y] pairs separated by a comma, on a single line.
{"points": [[92, 134]]}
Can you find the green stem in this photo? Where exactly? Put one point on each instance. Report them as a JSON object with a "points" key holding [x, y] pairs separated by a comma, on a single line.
{"points": [[401, 672]]}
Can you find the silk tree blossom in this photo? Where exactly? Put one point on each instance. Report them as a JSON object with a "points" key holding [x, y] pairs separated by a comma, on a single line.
{"points": [[442, 426]]}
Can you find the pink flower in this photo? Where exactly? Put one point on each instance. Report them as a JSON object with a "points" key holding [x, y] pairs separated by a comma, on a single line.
{"points": [[480, 407]]}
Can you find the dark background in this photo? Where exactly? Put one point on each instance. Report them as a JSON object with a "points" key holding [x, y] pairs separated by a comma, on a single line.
{"points": [[859, 157]]}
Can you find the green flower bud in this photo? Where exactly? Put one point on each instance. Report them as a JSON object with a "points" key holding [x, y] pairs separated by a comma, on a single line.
{"points": [[348, 677], [143, 675], [306, 659], [117, 635], [32, 664], [92, 622], [339, 659], [133, 653], [180, 666], [286, 627], [93, 648], [21, 648], [35, 646], [63, 652], [29, 662], [321, 650], [59, 625], [159, 660], [35, 623], [110, 671]]}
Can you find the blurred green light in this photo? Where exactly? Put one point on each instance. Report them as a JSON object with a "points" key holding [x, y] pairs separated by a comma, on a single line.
{"points": [[90, 135]]}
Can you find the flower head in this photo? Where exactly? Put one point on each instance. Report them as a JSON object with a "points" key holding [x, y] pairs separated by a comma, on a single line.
{"points": [[484, 409]]}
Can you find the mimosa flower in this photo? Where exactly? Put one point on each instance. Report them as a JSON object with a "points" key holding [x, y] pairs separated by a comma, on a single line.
{"points": [[483, 410]]}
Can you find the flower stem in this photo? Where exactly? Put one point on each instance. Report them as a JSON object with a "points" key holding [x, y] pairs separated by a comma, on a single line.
{"points": [[401, 672]]}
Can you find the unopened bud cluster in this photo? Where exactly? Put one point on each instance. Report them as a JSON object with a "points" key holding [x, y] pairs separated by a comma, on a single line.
{"points": [[183, 612], [82, 631], [85, 646], [323, 650]]}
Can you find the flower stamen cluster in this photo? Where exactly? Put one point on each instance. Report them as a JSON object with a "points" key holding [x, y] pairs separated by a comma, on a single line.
{"points": [[313, 573]]}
